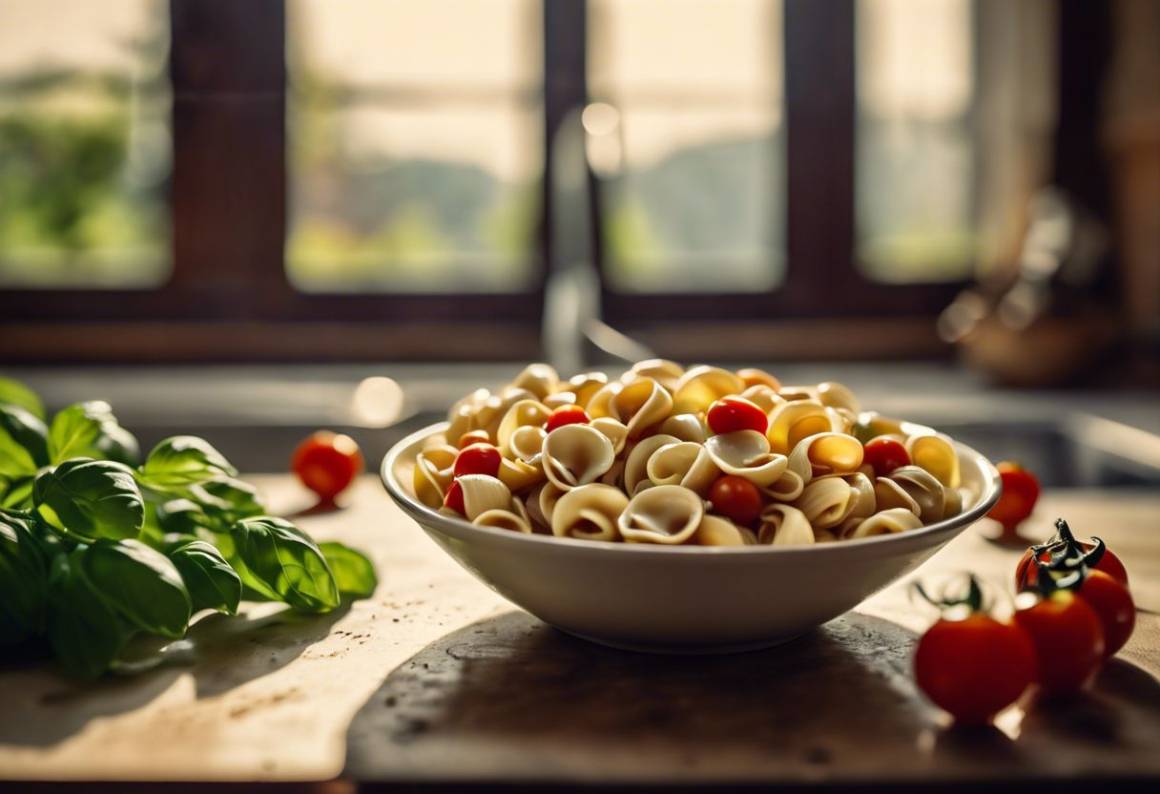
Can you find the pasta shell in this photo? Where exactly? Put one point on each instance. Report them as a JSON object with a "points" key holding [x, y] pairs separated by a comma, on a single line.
{"points": [[745, 453], [718, 531], [496, 407], [585, 385], [504, 519], [826, 502], [640, 405], [954, 504], [461, 416], [525, 413], [758, 377], [897, 519], [575, 455], [549, 495], [482, 492], [540, 379], [600, 403], [787, 487], [862, 499], [526, 443], [701, 386], [793, 421], [589, 512], [826, 453], [795, 393], [635, 464], [560, 399], [686, 427], [782, 525], [666, 514], [663, 371], [937, 455], [890, 496], [686, 464], [433, 474], [927, 492], [836, 395], [615, 475], [764, 397], [519, 475], [615, 430]]}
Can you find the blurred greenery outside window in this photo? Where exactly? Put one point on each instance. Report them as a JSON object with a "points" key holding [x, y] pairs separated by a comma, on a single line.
{"points": [[916, 170], [85, 145], [416, 153], [686, 136]]}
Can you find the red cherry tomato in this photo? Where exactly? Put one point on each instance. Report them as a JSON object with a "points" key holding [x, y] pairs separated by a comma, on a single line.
{"points": [[473, 437], [566, 415], [327, 463], [974, 667], [736, 498], [1068, 639], [478, 459], [1112, 602], [1020, 493], [885, 455], [1064, 542], [730, 414], [454, 498]]}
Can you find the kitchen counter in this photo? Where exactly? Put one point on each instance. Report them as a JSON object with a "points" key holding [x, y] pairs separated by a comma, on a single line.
{"points": [[437, 679]]}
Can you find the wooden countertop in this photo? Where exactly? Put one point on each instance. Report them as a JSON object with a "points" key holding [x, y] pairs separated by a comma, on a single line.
{"points": [[438, 679]]}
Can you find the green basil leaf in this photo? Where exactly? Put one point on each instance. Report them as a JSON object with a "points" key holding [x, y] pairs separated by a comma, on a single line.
{"points": [[232, 497], [353, 572], [88, 430], [13, 392], [181, 516], [85, 633], [211, 582], [287, 562], [17, 493], [89, 499], [23, 442], [23, 582], [141, 584], [181, 461]]}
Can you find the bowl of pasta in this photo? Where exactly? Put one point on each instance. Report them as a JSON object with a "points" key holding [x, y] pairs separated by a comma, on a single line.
{"points": [[684, 510]]}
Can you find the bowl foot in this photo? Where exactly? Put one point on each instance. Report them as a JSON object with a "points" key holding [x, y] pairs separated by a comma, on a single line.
{"points": [[695, 649]]}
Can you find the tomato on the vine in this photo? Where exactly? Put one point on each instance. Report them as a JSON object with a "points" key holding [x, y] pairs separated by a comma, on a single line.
{"points": [[327, 463], [1065, 544], [478, 459], [566, 415], [730, 414], [974, 667], [1068, 639], [736, 498], [1112, 602], [885, 455], [1020, 493]]}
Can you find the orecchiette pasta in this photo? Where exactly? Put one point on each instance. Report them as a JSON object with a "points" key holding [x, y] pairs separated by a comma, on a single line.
{"points": [[636, 459]]}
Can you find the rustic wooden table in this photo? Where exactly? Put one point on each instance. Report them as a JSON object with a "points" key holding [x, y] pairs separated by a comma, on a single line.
{"points": [[437, 679]]}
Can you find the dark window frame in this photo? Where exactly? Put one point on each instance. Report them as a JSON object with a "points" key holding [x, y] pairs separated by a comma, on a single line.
{"points": [[229, 191]]}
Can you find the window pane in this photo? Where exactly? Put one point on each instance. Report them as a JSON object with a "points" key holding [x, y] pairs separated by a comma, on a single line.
{"points": [[916, 148], [416, 155], [84, 143], [687, 138]]}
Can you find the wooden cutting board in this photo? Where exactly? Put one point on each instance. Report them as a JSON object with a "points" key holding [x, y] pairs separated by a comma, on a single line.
{"points": [[436, 678]]}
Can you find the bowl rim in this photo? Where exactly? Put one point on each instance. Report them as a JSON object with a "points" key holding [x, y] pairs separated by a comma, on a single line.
{"points": [[459, 526]]}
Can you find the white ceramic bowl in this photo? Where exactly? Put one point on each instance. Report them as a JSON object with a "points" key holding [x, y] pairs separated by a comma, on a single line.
{"points": [[690, 599]]}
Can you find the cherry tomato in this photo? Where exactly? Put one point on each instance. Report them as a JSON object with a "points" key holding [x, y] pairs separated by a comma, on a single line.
{"points": [[885, 455], [1064, 542], [974, 667], [736, 498], [327, 463], [758, 377], [454, 498], [1112, 602], [478, 459], [566, 415], [1020, 493], [473, 437], [1068, 639], [730, 414]]}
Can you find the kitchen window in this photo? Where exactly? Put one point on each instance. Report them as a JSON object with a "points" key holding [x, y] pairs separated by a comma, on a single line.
{"points": [[366, 180]]}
